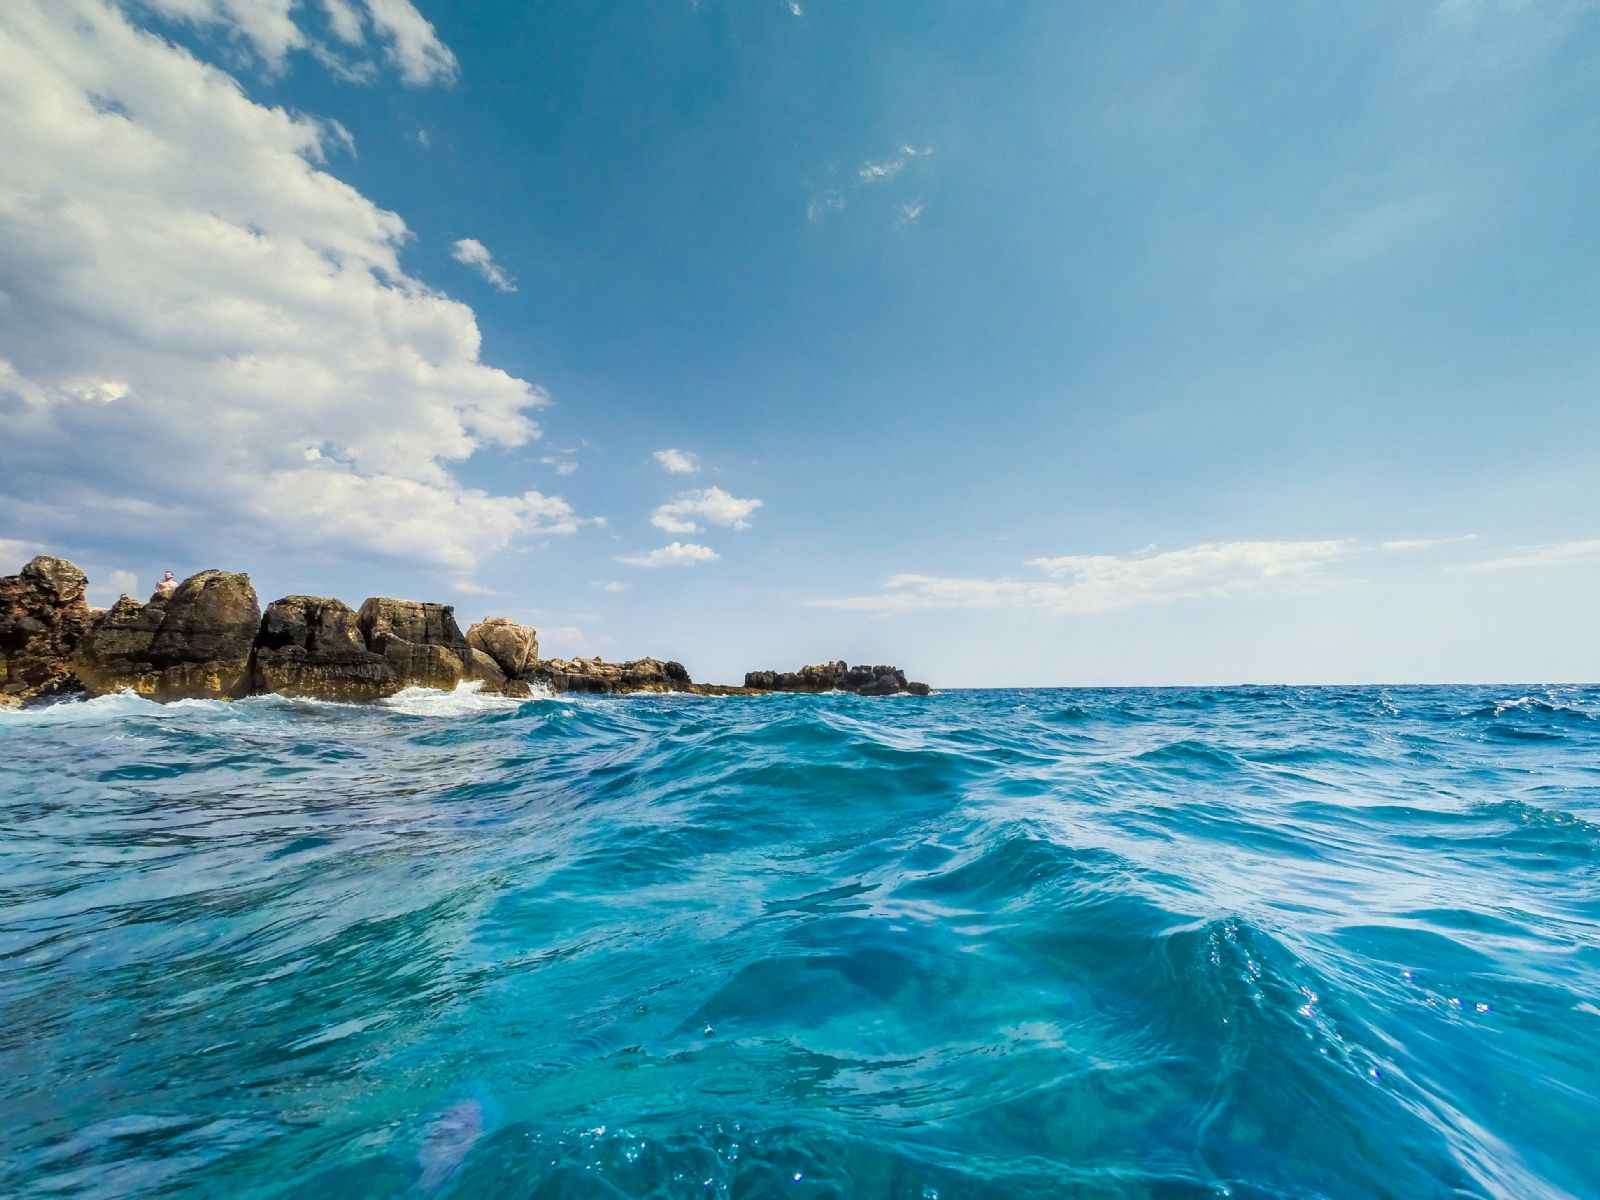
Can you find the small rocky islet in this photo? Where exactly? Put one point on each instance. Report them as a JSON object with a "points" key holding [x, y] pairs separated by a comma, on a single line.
{"points": [[209, 640]]}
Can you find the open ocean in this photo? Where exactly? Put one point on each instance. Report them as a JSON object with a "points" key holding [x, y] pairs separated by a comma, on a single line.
{"points": [[1247, 942]]}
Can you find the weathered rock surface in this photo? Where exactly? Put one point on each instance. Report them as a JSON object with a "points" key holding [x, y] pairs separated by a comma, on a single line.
{"points": [[312, 646], [424, 646], [194, 645], [595, 676], [208, 639], [422, 641], [43, 615], [513, 647], [837, 676]]}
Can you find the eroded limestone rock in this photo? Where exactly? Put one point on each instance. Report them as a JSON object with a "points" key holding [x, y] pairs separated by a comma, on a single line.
{"points": [[513, 647], [194, 645], [312, 646], [43, 616], [593, 675]]}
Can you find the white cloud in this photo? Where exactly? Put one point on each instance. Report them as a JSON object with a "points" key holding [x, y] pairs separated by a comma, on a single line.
{"points": [[113, 586], [411, 43], [1553, 554], [268, 29], [1426, 543], [684, 512], [611, 585], [675, 554], [189, 307], [14, 552], [888, 168], [345, 21], [674, 462], [476, 255], [907, 214], [795, 10], [1079, 584], [561, 466]]}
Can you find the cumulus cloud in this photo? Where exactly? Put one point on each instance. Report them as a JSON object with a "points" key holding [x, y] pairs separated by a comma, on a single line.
{"points": [[673, 462], [476, 255], [214, 334], [1552, 554], [674, 554], [684, 512], [611, 585], [1092, 583]]}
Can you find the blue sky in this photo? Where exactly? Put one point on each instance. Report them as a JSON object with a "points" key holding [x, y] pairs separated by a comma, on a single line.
{"points": [[1058, 343]]}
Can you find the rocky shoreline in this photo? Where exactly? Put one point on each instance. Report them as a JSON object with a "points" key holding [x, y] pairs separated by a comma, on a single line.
{"points": [[210, 640]]}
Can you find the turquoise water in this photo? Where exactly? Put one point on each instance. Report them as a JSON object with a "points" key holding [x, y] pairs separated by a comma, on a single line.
{"points": [[1242, 942]]}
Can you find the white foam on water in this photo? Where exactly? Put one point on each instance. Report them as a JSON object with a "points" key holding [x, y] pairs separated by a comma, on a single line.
{"points": [[467, 700], [102, 708]]}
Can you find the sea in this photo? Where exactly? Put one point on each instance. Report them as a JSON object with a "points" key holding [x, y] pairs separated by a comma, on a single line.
{"points": [[1186, 942]]}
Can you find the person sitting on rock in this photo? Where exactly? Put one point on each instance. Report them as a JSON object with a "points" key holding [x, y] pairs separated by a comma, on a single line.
{"points": [[167, 586]]}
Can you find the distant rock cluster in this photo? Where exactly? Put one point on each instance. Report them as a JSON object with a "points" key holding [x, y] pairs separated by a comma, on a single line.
{"points": [[209, 639], [836, 677]]}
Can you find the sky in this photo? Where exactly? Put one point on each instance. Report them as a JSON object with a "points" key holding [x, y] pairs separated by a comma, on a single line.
{"points": [[1017, 344]]}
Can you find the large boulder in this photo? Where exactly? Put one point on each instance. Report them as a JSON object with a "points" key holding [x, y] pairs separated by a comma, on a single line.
{"points": [[513, 647], [594, 675], [312, 646], [421, 641], [193, 645], [837, 676], [43, 616]]}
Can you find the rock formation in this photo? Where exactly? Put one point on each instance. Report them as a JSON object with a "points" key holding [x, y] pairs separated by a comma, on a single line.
{"points": [[424, 646], [593, 675], [513, 647], [312, 646], [194, 645], [837, 677], [210, 640], [43, 614], [422, 641]]}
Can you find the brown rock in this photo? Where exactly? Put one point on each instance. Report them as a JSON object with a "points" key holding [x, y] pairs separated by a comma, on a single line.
{"points": [[43, 616], [594, 675], [311, 646], [837, 677], [514, 647], [195, 644], [421, 641]]}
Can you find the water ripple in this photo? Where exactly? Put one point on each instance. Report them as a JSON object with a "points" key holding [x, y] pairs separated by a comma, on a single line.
{"points": [[1338, 942]]}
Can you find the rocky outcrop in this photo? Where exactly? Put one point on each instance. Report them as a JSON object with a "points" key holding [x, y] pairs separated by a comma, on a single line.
{"points": [[514, 648], [43, 615], [208, 639], [595, 676], [194, 645], [837, 677], [312, 646]]}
